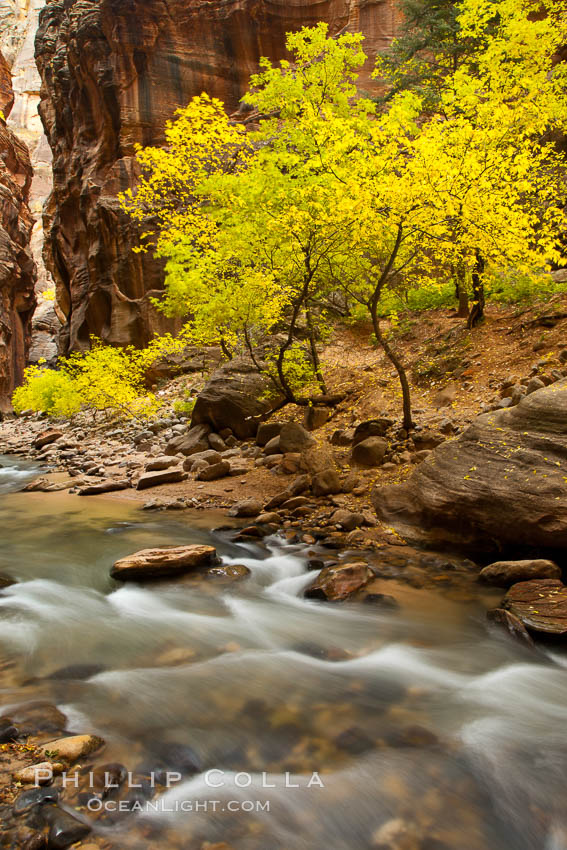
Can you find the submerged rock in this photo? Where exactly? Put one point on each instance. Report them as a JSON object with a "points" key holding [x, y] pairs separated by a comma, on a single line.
{"points": [[160, 563]]}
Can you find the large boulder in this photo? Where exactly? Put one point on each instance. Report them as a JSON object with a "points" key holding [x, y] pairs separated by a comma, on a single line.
{"points": [[500, 485], [160, 563], [237, 396]]}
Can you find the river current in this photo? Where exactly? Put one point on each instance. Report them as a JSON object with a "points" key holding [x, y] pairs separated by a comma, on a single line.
{"points": [[285, 723]]}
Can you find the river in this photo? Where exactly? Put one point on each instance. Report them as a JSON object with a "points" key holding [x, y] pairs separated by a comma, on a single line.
{"points": [[293, 724]]}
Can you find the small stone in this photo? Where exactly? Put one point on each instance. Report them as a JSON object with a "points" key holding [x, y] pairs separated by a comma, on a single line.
{"points": [[246, 508], [272, 447], [64, 829], [347, 520], [326, 483], [160, 463], [267, 431], [534, 385], [369, 452], [214, 471], [155, 479], [38, 774], [73, 747], [217, 443]]}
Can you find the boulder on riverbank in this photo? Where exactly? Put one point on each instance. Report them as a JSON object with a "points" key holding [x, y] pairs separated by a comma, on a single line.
{"points": [[500, 485], [151, 564], [235, 397]]}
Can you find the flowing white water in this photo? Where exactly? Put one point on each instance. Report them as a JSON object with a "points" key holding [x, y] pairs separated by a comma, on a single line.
{"points": [[427, 730]]}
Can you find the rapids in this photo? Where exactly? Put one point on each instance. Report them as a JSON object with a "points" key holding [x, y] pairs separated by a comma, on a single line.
{"points": [[420, 727]]}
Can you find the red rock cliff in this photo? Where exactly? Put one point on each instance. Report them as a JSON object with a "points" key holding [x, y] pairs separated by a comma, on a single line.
{"points": [[17, 268], [113, 72]]}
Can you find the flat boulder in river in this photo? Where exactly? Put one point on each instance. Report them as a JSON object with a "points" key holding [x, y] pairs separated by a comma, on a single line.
{"points": [[541, 605], [151, 564], [500, 484]]}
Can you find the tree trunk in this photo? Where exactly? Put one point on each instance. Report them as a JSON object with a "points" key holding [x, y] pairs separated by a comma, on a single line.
{"points": [[461, 293], [477, 309], [315, 353], [398, 366]]}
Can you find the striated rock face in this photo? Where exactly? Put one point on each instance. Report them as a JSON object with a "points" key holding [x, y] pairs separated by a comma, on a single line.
{"points": [[19, 20], [17, 268], [113, 72], [500, 485]]}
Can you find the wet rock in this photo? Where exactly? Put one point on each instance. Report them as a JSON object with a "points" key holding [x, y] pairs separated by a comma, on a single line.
{"points": [[108, 486], [8, 731], [347, 520], [369, 452], [354, 741], [46, 438], [38, 716], [38, 774], [339, 582], [511, 624], [34, 797], [35, 841], [106, 778], [541, 605], [160, 463], [268, 518], [233, 572], [237, 396], [6, 581], [246, 508], [178, 757], [73, 747], [294, 438], [506, 573], [326, 483], [77, 671], [214, 471], [499, 484], [193, 441], [371, 428], [64, 828], [159, 563], [166, 476]]}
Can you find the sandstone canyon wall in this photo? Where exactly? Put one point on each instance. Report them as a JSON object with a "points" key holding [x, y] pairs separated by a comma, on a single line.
{"points": [[19, 20], [113, 72], [17, 267]]}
